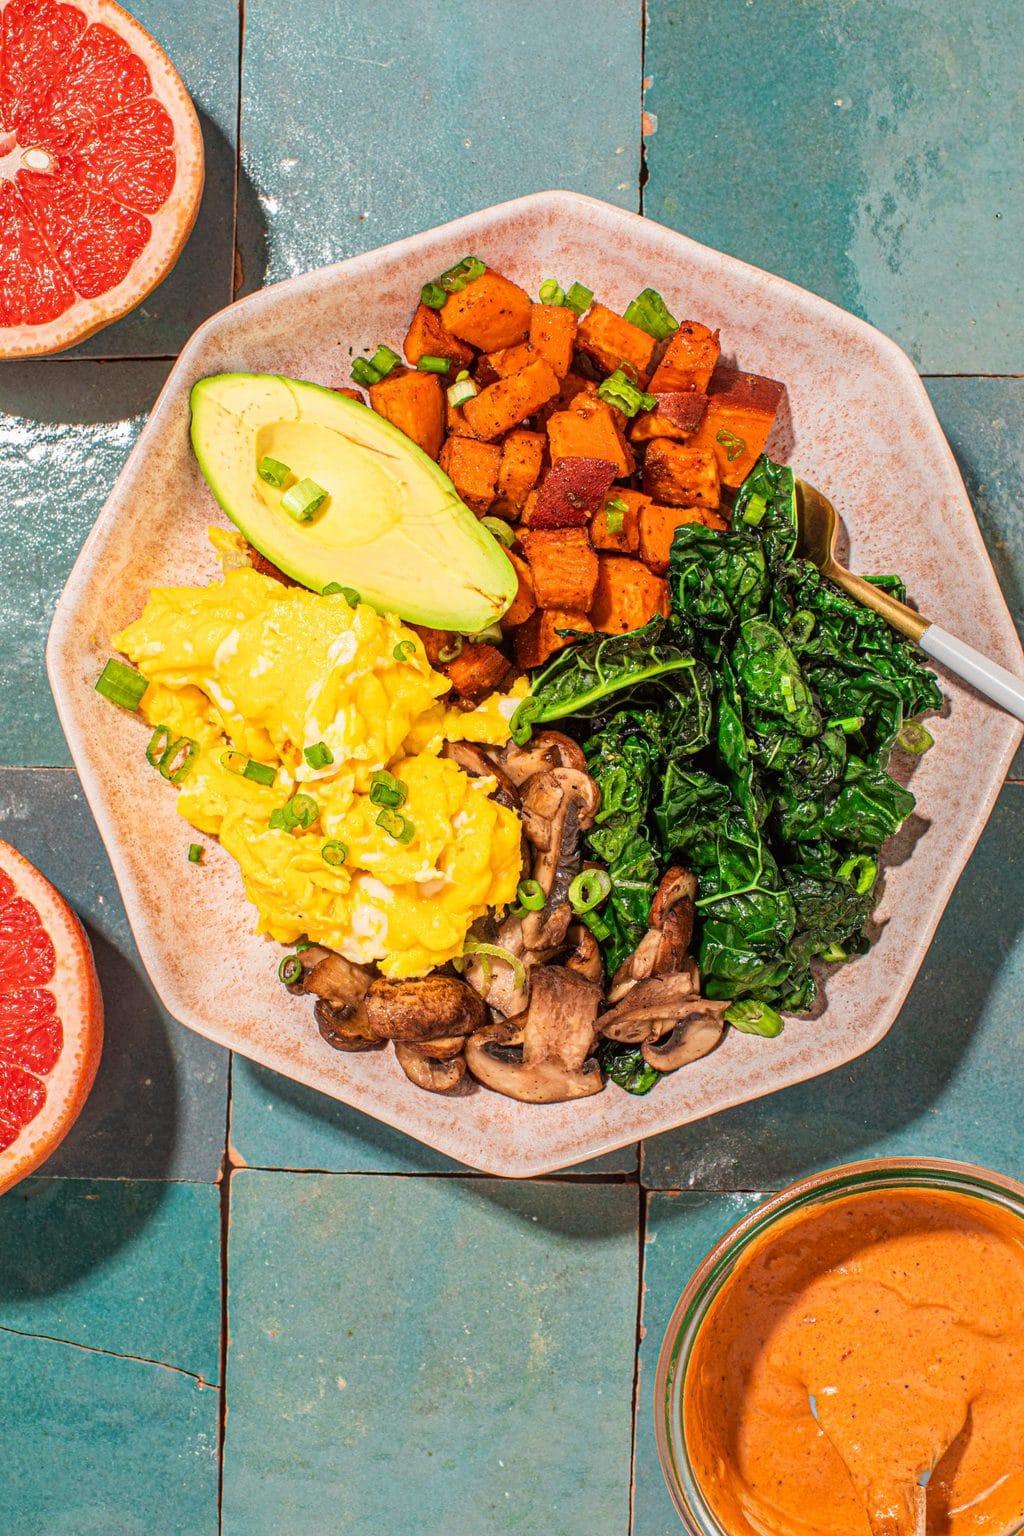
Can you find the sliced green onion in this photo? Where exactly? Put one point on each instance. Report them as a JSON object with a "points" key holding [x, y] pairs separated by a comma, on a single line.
{"points": [[589, 889], [501, 530], [404, 649], [462, 390], [650, 312], [578, 298], [157, 746], [396, 826], [497, 952], [386, 790], [433, 296], [303, 499], [850, 724], [619, 391], [383, 360], [272, 471], [319, 755], [290, 970], [184, 748], [463, 373], [462, 274], [914, 737], [364, 373], [755, 510], [301, 811], [861, 871], [835, 954], [597, 925], [550, 292], [617, 504], [530, 894], [450, 651], [334, 854], [237, 762], [195, 853], [614, 519], [434, 364], [490, 636], [122, 685], [732, 444], [753, 1018], [335, 589]]}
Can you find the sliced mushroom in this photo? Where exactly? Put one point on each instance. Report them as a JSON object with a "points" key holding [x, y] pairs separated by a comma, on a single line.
{"points": [[695, 1034], [308, 959], [557, 806], [553, 1062], [547, 749], [427, 1009], [586, 954], [474, 759], [337, 979], [677, 885], [435, 1072], [663, 948], [342, 1028], [649, 1008]]}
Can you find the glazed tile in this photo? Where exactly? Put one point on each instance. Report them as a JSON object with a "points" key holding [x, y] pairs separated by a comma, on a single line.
{"points": [[943, 1082], [206, 56], [65, 430], [277, 1123], [865, 152], [396, 127], [429, 1355], [98, 1446], [101, 1263], [680, 1230], [159, 1105]]}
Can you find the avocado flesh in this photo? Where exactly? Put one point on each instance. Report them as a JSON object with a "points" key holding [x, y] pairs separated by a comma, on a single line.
{"points": [[392, 526]]}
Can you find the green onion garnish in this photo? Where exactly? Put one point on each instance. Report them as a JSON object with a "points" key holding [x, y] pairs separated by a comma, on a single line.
{"points": [[334, 854], [386, 790], [462, 390], [272, 470], [184, 752], [835, 954], [404, 649], [300, 811], [492, 635], [754, 511], [257, 773], [732, 444], [332, 589], [335, 589], [589, 889], [319, 755], [462, 274], [550, 293], [848, 726], [433, 296], [597, 925], [450, 651], [157, 746], [619, 391], [497, 952], [530, 894], [914, 737], [364, 373], [614, 520], [578, 299], [122, 685], [303, 499], [434, 364], [650, 312], [501, 530], [290, 970], [861, 872], [383, 360], [396, 826], [753, 1018], [195, 853]]}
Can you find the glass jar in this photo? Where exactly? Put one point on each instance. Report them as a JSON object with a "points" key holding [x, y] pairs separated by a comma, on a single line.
{"points": [[717, 1268]]}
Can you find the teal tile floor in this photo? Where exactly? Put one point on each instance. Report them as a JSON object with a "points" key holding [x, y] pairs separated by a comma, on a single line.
{"points": [[229, 1304]]}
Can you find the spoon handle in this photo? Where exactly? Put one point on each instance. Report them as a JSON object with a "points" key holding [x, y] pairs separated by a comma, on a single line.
{"points": [[984, 674]]}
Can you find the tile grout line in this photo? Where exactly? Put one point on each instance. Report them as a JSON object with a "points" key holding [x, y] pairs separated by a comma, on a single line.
{"points": [[643, 175], [112, 1354], [642, 1202]]}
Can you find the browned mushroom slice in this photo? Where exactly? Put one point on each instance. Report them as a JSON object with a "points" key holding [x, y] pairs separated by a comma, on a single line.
{"points": [[337, 979], [308, 959], [343, 1028], [649, 1008], [557, 806], [677, 886], [553, 1062], [547, 749], [426, 1009], [494, 979], [696, 1032], [435, 1072], [663, 948], [586, 954], [473, 758]]}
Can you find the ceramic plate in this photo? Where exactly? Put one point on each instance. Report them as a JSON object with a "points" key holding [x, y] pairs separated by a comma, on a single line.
{"points": [[858, 425]]}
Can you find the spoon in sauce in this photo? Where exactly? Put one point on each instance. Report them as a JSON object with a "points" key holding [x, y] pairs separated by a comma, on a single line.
{"points": [[907, 1515]]}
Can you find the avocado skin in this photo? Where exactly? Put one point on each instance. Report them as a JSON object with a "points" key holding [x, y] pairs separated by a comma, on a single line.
{"points": [[393, 526]]}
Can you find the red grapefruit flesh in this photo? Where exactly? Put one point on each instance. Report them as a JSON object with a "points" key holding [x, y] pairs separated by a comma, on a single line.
{"points": [[101, 170], [51, 1017]]}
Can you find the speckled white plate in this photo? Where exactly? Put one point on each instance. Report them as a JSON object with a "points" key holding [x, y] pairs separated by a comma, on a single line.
{"points": [[858, 425]]}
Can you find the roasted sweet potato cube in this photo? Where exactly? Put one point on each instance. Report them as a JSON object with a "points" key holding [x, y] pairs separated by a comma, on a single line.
{"points": [[678, 414], [627, 595], [681, 477], [740, 413], [588, 430], [477, 671], [553, 335], [539, 638], [524, 602], [427, 337], [414, 403], [689, 359], [350, 394], [563, 567], [610, 340], [510, 401], [434, 641], [472, 468], [626, 540], [455, 423], [510, 360], [658, 528], [490, 314], [522, 454]]}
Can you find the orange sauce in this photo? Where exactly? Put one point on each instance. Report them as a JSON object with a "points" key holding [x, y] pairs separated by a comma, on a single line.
{"points": [[901, 1313]]}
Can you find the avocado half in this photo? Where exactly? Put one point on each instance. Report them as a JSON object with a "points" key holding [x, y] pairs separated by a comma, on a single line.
{"points": [[392, 525]]}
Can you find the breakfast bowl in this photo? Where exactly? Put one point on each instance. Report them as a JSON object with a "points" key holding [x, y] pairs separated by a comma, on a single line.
{"points": [[895, 1253], [856, 422]]}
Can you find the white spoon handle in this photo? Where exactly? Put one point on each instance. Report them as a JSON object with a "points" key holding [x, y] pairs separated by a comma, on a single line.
{"points": [[980, 671]]}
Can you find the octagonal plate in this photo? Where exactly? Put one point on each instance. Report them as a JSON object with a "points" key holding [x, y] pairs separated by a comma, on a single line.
{"points": [[858, 425]]}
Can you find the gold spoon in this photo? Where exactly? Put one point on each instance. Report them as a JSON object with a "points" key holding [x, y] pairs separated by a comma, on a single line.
{"points": [[817, 530]]}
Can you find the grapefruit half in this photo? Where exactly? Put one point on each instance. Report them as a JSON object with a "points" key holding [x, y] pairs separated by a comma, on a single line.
{"points": [[101, 170], [51, 1017]]}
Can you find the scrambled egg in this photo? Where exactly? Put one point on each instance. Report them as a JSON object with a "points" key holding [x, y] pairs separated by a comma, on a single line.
{"points": [[269, 671]]}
